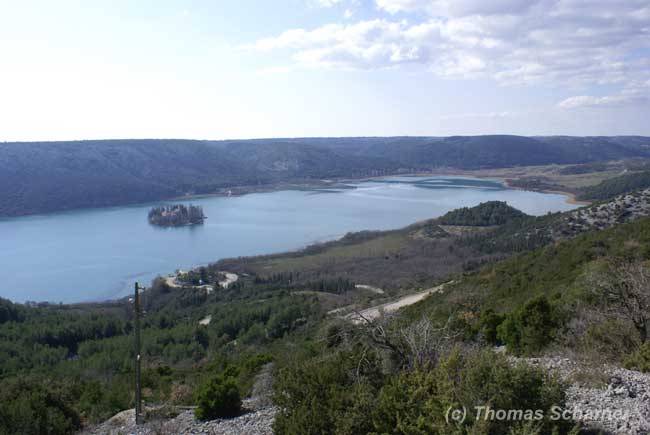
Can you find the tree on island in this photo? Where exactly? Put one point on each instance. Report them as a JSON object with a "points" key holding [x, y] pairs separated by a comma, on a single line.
{"points": [[176, 215]]}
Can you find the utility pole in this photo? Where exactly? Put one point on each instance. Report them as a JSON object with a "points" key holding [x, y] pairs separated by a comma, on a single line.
{"points": [[138, 398]]}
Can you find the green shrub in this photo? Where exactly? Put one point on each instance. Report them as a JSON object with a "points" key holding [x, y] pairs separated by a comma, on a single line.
{"points": [[531, 327], [489, 322], [218, 397], [416, 402], [608, 340], [97, 401], [33, 407], [330, 396], [639, 360], [326, 395]]}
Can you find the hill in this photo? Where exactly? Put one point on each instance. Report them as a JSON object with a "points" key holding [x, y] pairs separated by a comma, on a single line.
{"points": [[289, 308], [41, 177], [616, 186], [484, 214]]}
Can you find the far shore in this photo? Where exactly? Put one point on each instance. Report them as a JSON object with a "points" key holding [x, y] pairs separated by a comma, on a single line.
{"points": [[321, 184], [340, 182], [571, 197]]}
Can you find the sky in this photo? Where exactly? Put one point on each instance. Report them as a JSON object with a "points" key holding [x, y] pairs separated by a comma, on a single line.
{"points": [[220, 69]]}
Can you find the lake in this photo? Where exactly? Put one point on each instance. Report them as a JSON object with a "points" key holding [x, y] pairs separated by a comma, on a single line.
{"points": [[97, 254]]}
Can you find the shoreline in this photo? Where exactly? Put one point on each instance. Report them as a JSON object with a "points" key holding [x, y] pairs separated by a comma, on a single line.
{"points": [[569, 197], [324, 183], [236, 191]]}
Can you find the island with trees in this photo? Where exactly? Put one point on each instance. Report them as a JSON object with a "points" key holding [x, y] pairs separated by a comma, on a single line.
{"points": [[176, 215]]}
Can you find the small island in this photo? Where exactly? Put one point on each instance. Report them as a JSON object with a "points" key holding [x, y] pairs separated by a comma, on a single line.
{"points": [[176, 215]]}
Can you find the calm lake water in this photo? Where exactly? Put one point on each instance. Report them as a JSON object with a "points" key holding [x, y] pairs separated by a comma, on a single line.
{"points": [[97, 254]]}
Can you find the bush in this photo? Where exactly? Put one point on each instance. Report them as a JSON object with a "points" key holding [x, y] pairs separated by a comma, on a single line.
{"points": [[417, 402], [531, 327], [34, 407], [639, 360], [330, 396], [608, 340], [98, 401], [489, 322], [218, 397], [325, 395]]}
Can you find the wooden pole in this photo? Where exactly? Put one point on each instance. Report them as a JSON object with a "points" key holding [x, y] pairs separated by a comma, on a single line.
{"points": [[138, 398]]}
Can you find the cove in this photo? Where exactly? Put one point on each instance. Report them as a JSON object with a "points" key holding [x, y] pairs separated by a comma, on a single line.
{"points": [[97, 254]]}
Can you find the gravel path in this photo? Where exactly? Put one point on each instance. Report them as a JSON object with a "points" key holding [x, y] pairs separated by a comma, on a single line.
{"points": [[389, 307], [370, 288]]}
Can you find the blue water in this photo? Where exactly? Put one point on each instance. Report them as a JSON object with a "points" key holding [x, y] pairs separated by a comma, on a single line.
{"points": [[97, 254]]}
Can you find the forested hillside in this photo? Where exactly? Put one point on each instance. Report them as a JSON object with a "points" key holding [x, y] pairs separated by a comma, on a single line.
{"points": [[568, 298], [68, 366], [38, 177], [616, 186], [485, 214]]}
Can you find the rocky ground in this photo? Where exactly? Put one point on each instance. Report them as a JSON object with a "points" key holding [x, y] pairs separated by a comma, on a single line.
{"points": [[256, 419], [611, 399], [623, 208]]}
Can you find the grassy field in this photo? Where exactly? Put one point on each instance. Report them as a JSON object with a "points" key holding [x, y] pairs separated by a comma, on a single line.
{"points": [[553, 174], [567, 178], [396, 261], [384, 245]]}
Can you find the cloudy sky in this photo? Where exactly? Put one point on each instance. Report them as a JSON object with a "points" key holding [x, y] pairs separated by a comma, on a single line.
{"points": [[286, 68]]}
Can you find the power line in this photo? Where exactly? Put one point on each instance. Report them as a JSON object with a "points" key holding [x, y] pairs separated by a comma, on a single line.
{"points": [[138, 392]]}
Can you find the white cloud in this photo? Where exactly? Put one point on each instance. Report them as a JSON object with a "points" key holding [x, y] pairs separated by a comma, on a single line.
{"points": [[328, 3], [584, 101], [395, 6], [482, 115], [366, 44], [571, 42], [456, 7], [633, 94], [273, 70]]}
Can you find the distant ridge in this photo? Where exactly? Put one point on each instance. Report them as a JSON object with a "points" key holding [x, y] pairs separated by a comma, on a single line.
{"points": [[40, 177]]}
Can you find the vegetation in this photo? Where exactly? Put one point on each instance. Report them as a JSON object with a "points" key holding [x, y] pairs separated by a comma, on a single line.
{"points": [[399, 376], [623, 289], [485, 214], [176, 215], [616, 186], [218, 398], [40, 177], [83, 354], [350, 392], [547, 297], [584, 168], [639, 359], [537, 183], [530, 328], [64, 365], [30, 406]]}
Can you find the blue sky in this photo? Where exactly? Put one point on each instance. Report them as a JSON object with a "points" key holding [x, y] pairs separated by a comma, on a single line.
{"points": [[287, 68]]}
